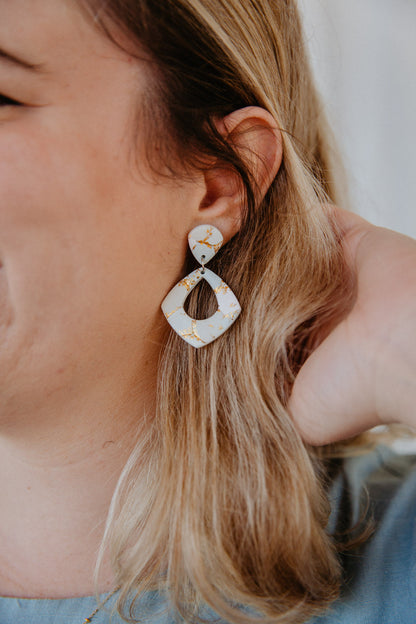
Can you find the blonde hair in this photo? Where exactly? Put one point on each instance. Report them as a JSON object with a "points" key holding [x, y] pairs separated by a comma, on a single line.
{"points": [[221, 502]]}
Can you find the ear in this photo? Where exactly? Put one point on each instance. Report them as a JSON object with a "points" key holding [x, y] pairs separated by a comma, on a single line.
{"points": [[254, 134]]}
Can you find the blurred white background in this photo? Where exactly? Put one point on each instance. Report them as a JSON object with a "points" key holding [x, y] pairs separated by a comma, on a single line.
{"points": [[364, 56]]}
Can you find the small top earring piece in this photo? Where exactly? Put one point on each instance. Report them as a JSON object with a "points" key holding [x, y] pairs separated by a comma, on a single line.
{"points": [[204, 242]]}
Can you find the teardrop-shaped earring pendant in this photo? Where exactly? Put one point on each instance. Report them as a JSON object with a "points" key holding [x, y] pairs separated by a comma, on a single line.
{"points": [[204, 241]]}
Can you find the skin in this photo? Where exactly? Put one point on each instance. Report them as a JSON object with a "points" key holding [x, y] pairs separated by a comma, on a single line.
{"points": [[90, 244]]}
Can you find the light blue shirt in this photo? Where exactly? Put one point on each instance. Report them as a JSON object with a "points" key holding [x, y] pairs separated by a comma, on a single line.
{"points": [[379, 577]]}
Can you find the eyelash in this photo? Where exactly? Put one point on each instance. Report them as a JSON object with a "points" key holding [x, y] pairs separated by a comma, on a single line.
{"points": [[6, 101]]}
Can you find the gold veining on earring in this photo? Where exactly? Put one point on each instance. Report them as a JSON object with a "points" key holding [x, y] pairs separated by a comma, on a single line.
{"points": [[231, 315], [191, 332], [187, 283], [215, 246], [222, 288], [169, 314]]}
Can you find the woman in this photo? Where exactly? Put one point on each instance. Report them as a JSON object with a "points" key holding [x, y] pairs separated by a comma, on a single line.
{"points": [[125, 125]]}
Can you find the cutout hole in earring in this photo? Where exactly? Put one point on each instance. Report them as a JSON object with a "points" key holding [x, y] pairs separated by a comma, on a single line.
{"points": [[201, 302]]}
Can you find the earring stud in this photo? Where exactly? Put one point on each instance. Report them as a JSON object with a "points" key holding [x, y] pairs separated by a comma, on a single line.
{"points": [[204, 242]]}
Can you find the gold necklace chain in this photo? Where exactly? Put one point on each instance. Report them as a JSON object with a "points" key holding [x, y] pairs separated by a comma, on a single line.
{"points": [[89, 618]]}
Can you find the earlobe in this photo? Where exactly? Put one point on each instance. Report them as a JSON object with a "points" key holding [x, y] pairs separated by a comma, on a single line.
{"points": [[254, 134]]}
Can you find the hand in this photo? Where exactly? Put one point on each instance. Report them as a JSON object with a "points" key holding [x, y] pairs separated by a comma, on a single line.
{"points": [[364, 372]]}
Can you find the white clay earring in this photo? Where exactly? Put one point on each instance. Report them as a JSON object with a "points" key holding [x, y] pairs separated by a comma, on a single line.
{"points": [[204, 241]]}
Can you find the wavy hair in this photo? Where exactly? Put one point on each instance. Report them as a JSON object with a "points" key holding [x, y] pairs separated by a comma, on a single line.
{"points": [[221, 502]]}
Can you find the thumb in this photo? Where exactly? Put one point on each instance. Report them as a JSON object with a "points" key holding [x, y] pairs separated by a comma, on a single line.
{"points": [[331, 397]]}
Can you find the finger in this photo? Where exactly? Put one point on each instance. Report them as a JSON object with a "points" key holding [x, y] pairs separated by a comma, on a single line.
{"points": [[330, 400]]}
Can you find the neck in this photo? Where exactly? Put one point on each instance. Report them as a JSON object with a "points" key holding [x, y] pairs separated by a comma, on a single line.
{"points": [[58, 478]]}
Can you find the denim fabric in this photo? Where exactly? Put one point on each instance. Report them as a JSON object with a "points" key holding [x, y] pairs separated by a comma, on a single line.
{"points": [[379, 577], [76, 610]]}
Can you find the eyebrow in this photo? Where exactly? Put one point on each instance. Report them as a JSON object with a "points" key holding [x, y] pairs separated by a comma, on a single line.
{"points": [[18, 61]]}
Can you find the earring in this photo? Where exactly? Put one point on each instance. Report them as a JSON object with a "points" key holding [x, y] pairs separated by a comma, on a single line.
{"points": [[204, 241]]}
